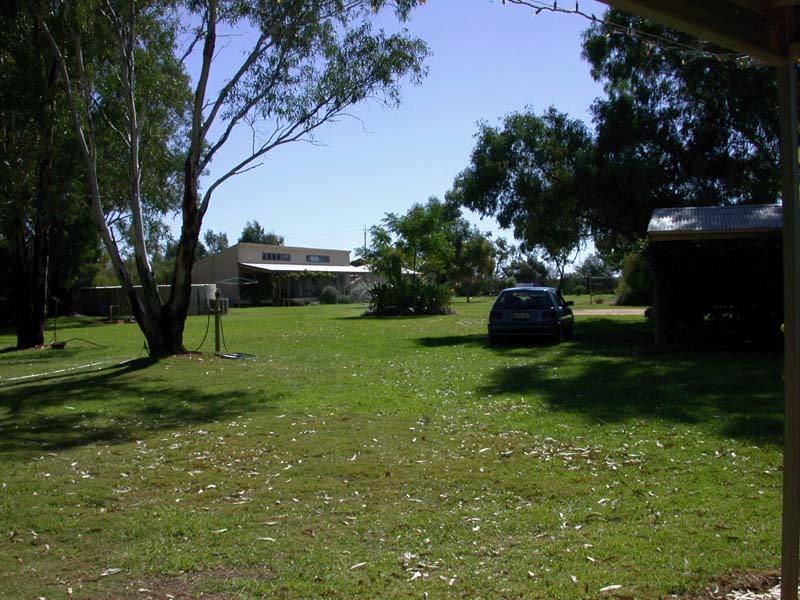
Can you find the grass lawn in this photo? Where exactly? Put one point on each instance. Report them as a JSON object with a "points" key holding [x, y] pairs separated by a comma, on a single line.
{"points": [[392, 458], [598, 301]]}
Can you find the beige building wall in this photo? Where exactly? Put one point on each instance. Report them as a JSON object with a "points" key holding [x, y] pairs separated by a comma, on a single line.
{"points": [[262, 253], [218, 268]]}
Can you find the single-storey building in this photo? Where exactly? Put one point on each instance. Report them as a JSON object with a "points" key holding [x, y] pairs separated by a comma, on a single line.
{"points": [[717, 274], [112, 301], [261, 274]]}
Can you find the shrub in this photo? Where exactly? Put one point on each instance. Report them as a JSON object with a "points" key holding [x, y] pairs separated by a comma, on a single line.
{"points": [[579, 289], [636, 285], [343, 299], [329, 295], [409, 297]]}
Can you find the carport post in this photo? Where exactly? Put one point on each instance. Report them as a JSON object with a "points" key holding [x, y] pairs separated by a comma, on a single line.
{"points": [[787, 80]]}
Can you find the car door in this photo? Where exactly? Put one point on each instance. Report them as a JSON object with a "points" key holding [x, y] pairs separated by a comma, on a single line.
{"points": [[564, 309]]}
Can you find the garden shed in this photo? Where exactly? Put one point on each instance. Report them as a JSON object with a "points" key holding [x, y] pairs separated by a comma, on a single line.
{"points": [[717, 273]]}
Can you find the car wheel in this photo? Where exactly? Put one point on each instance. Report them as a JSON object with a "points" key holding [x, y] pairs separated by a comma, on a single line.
{"points": [[558, 335], [494, 339]]}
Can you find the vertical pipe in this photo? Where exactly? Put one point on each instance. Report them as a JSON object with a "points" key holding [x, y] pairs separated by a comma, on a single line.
{"points": [[217, 317], [787, 81]]}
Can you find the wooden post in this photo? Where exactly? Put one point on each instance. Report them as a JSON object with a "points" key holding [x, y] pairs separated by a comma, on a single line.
{"points": [[787, 80]]}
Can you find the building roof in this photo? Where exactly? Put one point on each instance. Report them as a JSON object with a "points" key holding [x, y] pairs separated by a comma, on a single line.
{"points": [[294, 268], [282, 248], [705, 222]]}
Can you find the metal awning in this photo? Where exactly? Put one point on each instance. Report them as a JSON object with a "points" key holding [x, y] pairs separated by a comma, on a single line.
{"points": [[715, 222], [310, 269]]}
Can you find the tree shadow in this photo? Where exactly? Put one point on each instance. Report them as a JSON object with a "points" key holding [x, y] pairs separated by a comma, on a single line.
{"points": [[599, 335], [47, 415], [473, 340], [747, 405], [607, 374], [101, 376]]}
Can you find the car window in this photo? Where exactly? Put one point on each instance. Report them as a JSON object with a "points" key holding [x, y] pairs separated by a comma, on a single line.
{"points": [[561, 300], [524, 299]]}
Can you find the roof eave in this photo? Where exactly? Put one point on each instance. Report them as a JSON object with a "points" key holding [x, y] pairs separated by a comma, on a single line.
{"points": [[681, 236], [751, 27]]}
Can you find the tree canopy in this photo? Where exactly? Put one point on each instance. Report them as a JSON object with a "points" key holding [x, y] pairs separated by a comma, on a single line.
{"points": [[254, 233], [528, 174], [676, 128]]}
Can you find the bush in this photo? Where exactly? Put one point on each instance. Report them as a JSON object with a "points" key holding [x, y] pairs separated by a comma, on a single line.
{"points": [[329, 295], [579, 289], [344, 299], [636, 285], [409, 297]]}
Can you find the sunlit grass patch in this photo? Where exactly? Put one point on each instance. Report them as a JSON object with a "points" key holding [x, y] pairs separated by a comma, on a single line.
{"points": [[385, 458]]}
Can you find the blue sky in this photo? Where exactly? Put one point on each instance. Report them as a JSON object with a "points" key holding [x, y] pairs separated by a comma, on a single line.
{"points": [[488, 59]]}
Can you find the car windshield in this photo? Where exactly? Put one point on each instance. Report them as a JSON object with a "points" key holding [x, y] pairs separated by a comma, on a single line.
{"points": [[524, 299]]}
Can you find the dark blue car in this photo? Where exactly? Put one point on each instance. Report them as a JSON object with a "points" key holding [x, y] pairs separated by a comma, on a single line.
{"points": [[531, 311]]}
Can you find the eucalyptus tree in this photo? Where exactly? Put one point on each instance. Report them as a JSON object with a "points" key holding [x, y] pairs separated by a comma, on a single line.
{"points": [[28, 125], [299, 64], [529, 174], [48, 246]]}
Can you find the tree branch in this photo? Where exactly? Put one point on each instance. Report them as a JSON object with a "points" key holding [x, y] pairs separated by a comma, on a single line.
{"points": [[241, 114]]}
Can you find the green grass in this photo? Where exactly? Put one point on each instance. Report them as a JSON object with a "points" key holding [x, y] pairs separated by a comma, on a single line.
{"points": [[598, 301], [392, 458]]}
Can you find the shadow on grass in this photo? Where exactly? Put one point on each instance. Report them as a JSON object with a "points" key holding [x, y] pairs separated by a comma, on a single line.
{"points": [[474, 340], [97, 376], [602, 374], [599, 335], [47, 414]]}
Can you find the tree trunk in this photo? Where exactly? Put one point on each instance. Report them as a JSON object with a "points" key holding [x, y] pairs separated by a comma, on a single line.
{"points": [[30, 261], [30, 291], [32, 250], [163, 325]]}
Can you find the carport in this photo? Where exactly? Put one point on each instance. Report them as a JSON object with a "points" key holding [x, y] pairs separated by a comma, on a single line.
{"points": [[769, 31], [717, 275]]}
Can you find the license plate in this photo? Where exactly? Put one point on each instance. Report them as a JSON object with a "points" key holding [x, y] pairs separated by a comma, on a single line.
{"points": [[521, 316]]}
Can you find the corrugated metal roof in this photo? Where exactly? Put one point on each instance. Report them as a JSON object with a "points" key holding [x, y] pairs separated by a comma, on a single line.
{"points": [[700, 220]]}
